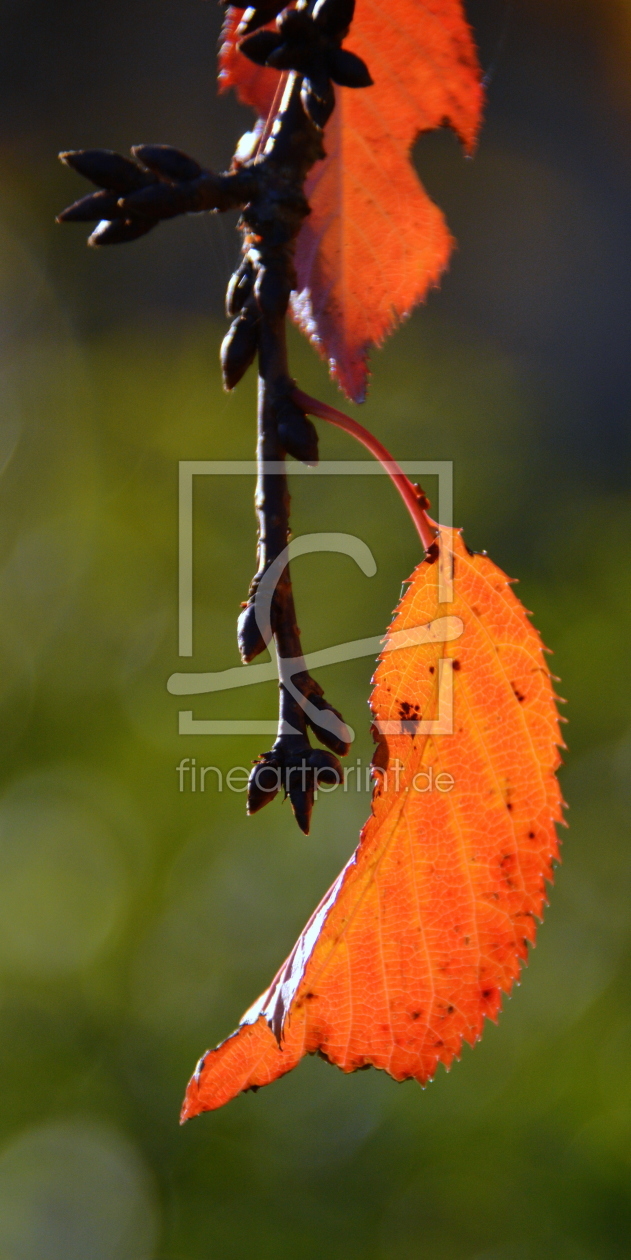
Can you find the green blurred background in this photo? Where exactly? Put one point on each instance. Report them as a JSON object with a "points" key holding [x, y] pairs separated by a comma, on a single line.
{"points": [[137, 923]]}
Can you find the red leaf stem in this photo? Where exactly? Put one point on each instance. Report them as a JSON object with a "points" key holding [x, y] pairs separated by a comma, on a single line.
{"points": [[411, 495]]}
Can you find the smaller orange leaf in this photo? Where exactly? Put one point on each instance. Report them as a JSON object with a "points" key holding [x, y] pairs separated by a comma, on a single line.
{"points": [[430, 921], [375, 243]]}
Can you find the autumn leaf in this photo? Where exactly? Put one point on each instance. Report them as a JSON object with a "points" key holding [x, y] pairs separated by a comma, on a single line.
{"points": [[428, 924], [374, 242]]}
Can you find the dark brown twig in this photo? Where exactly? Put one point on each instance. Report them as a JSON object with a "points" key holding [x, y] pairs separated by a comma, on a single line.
{"points": [[160, 182]]}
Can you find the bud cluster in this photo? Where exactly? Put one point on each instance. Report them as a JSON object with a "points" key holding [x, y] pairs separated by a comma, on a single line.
{"points": [[300, 776], [310, 44], [158, 182]]}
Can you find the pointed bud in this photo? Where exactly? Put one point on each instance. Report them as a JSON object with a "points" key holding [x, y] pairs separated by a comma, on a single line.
{"points": [[239, 288], [272, 288], [281, 57], [167, 162], [297, 433], [160, 201], [347, 69], [263, 784], [249, 637], [107, 169], [291, 56], [298, 784], [239, 346], [302, 805], [339, 740], [326, 768], [260, 46], [91, 209]]}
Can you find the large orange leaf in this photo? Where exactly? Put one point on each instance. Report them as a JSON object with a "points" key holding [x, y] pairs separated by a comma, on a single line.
{"points": [[429, 922], [375, 242]]}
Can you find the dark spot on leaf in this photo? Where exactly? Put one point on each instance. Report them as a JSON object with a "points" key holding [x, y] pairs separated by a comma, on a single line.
{"points": [[456, 664], [432, 554]]}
